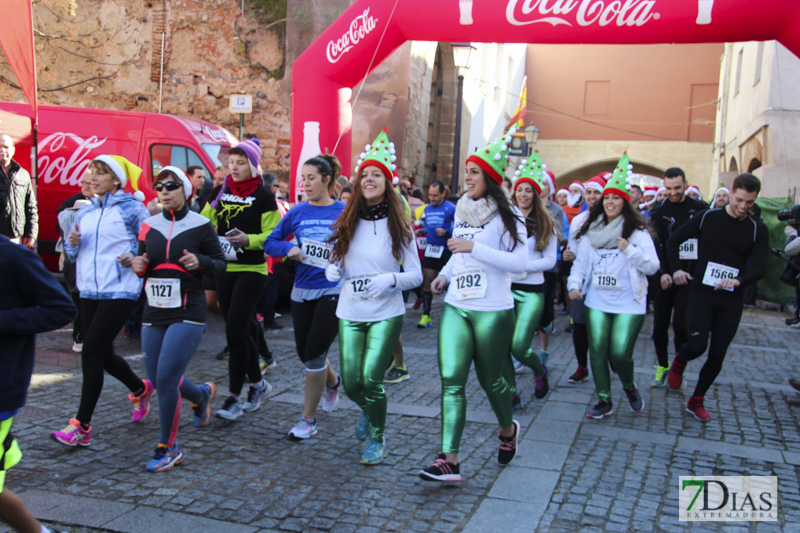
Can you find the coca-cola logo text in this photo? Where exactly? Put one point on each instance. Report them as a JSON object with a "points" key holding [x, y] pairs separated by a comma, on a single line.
{"points": [[588, 12], [69, 164], [216, 134], [360, 27]]}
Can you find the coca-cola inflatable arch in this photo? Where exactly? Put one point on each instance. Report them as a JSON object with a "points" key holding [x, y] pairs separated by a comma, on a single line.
{"points": [[370, 30]]}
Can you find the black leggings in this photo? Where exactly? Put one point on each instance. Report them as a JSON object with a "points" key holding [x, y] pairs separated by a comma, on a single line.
{"points": [[238, 294], [670, 303], [101, 322], [315, 328], [548, 313], [710, 313]]}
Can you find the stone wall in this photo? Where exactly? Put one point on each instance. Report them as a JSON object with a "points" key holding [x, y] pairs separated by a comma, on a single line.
{"points": [[106, 54]]}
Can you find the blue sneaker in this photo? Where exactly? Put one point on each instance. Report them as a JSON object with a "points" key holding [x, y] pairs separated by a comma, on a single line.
{"points": [[165, 458], [374, 453], [362, 428], [518, 366], [202, 410]]}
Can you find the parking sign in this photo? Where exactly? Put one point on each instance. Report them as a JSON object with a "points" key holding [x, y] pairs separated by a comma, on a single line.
{"points": [[241, 103]]}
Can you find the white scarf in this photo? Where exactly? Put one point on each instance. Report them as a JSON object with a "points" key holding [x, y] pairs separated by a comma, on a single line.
{"points": [[605, 236]]}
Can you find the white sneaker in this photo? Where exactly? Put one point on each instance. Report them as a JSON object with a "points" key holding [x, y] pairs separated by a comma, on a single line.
{"points": [[255, 394], [518, 367], [77, 347], [305, 428], [330, 396], [231, 409]]}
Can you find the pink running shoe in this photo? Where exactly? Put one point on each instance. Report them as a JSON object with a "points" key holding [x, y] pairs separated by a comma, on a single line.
{"points": [[73, 434], [141, 403]]}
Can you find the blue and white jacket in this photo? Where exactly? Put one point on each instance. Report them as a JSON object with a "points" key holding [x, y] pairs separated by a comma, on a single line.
{"points": [[108, 229]]}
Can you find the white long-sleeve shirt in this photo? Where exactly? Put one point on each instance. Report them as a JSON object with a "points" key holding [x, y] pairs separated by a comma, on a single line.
{"points": [[627, 271], [539, 262], [370, 254], [495, 256]]}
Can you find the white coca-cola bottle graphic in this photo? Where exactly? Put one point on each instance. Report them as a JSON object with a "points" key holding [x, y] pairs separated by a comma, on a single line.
{"points": [[465, 12], [704, 8], [310, 149]]}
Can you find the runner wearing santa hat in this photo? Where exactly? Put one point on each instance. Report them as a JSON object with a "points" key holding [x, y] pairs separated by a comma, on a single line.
{"points": [[580, 339], [693, 192], [575, 200]]}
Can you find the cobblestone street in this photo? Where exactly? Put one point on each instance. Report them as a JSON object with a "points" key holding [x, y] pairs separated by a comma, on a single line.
{"points": [[572, 473]]}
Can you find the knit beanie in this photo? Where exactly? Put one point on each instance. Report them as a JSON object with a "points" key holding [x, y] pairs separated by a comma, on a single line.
{"points": [[493, 158], [618, 184], [125, 171], [381, 153], [252, 147]]}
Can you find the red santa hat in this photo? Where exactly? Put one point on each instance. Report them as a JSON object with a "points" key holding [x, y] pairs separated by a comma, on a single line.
{"points": [[597, 183], [693, 188], [550, 179], [565, 191], [579, 185], [650, 191]]}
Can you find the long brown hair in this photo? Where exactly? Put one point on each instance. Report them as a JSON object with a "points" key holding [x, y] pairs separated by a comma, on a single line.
{"points": [[631, 220], [538, 222], [507, 215], [345, 226]]}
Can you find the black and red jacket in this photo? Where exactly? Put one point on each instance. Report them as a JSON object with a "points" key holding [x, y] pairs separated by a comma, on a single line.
{"points": [[164, 237]]}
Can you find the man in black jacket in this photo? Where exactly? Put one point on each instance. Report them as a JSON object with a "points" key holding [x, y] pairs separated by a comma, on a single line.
{"points": [[31, 302], [19, 217], [671, 299]]}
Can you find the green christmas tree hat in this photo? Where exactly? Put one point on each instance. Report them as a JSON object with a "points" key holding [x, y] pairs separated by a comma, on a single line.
{"points": [[380, 153], [618, 184], [493, 158], [531, 171]]}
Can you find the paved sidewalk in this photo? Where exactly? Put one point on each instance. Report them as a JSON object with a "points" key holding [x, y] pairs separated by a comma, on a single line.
{"points": [[572, 473]]}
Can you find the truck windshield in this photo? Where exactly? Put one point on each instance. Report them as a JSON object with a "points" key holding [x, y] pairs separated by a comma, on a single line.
{"points": [[218, 153], [183, 157]]}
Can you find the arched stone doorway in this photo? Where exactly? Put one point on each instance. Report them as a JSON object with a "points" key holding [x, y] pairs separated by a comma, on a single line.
{"points": [[587, 171]]}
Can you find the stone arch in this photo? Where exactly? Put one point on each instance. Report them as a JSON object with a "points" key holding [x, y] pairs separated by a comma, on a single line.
{"points": [[753, 154], [733, 166], [594, 168]]}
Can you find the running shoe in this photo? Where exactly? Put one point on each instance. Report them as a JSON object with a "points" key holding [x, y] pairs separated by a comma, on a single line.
{"points": [[518, 366], [440, 470], [661, 376], [305, 428], [396, 374], [374, 453], [73, 434], [695, 406], [580, 375], [165, 458], [508, 446], [223, 354], [255, 394], [330, 396], [202, 410], [544, 356], [268, 365], [362, 428], [77, 347], [540, 384], [516, 402], [417, 303], [231, 409], [260, 318], [635, 399], [425, 322], [141, 403], [675, 379], [601, 410]]}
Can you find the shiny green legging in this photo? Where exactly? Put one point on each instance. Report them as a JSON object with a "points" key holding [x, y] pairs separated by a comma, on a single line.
{"points": [[463, 336], [611, 337], [365, 352], [528, 307]]}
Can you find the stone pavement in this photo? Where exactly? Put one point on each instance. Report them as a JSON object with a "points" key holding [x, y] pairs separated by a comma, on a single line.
{"points": [[571, 474]]}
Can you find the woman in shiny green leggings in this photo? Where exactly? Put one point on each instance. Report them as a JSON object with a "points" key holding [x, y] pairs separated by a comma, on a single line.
{"points": [[528, 307], [365, 353], [611, 339]]}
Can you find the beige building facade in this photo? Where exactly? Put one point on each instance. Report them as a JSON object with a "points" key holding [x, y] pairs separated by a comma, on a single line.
{"points": [[758, 118], [592, 103]]}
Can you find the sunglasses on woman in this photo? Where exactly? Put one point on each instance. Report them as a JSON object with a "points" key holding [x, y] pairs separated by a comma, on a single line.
{"points": [[169, 185]]}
